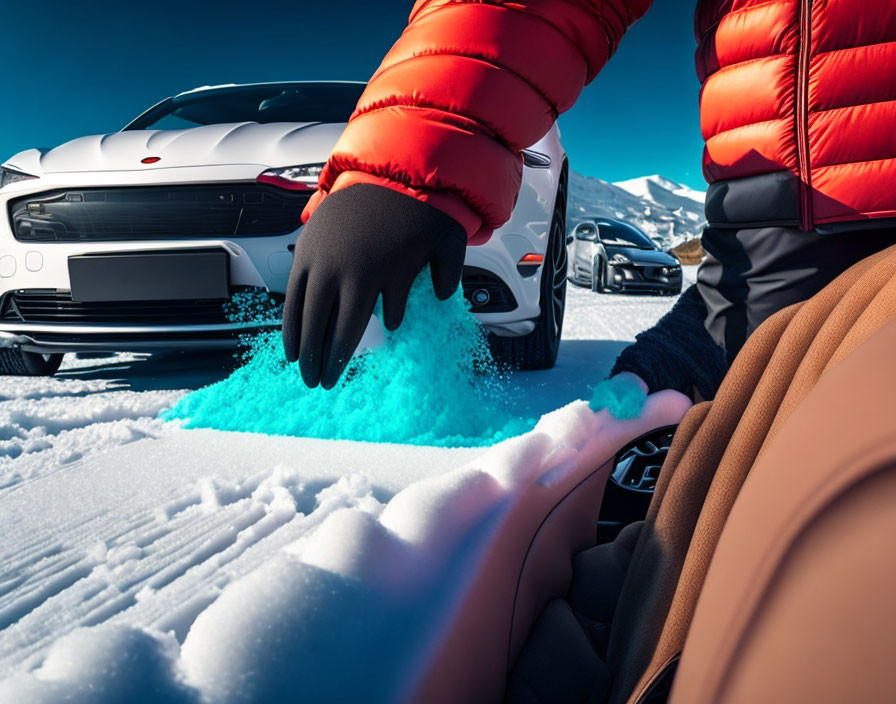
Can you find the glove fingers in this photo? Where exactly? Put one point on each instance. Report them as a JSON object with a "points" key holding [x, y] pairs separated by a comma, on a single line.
{"points": [[353, 316], [446, 267], [321, 306], [292, 312], [395, 300]]}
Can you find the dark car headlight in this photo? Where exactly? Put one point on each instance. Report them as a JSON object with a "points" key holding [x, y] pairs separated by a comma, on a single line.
{"points": [[8, 176]]}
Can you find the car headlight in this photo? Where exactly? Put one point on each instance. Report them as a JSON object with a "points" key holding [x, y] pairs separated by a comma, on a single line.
{"points": [[620, 259], [8, 176], [295, 178]]}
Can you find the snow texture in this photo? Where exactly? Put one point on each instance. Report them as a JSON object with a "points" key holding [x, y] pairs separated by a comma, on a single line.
{"points": [[144, 562], [347, 611]]}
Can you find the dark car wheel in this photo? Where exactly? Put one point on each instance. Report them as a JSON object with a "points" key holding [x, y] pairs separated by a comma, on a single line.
{"points": [[598, 276], [539, 349], [15, 362]]}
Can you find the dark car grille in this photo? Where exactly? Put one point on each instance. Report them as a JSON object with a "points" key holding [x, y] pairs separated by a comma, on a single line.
{"points": [[156, 212], [645, 276], [52, 306], [655, 273]]}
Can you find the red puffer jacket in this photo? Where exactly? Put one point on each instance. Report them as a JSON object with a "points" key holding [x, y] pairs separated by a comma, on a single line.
{"points": [[798, 109], [798, 106]]}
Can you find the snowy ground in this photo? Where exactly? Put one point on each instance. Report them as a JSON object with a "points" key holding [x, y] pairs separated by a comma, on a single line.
{"points": [[110, 516]]}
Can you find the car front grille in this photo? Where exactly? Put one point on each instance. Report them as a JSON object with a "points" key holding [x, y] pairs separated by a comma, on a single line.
{"points": [[156, 212], [57, 307], [655, 273], [647, 274]]}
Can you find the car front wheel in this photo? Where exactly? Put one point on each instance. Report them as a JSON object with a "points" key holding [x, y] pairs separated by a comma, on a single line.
{"points": [[598, 285], [539, 349], [16, 362]]}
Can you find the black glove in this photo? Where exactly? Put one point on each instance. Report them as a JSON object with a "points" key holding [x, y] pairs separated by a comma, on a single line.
{"points": [[361, 241]]}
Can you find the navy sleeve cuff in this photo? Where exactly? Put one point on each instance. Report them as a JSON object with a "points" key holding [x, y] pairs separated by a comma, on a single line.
{"points": [[678, 352]]}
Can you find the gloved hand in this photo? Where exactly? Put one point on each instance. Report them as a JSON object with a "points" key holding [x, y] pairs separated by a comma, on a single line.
{"points": [[362, 241]]}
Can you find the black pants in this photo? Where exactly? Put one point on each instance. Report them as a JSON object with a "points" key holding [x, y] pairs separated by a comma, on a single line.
{"points": [[750, 274]]}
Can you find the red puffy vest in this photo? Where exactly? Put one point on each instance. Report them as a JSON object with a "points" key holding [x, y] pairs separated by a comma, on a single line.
{"points": [[798, 110], [798, 106]]}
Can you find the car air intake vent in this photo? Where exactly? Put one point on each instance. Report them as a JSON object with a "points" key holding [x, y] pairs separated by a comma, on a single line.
{"points": [[497, 297], [156, 212], [52, 306]]}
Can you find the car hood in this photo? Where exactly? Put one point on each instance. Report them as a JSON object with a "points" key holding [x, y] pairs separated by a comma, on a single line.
{"points": [[274, 144], [644, 256]]}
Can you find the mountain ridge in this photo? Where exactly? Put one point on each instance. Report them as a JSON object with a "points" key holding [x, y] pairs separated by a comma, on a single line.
{"points": [[668, 212]]}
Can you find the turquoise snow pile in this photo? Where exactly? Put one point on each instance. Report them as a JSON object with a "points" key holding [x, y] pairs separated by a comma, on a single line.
{"points": [[622, 396], [432, 382]]}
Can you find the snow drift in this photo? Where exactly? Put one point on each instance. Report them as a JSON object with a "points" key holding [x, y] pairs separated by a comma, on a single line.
{"points": [[372, 604]]}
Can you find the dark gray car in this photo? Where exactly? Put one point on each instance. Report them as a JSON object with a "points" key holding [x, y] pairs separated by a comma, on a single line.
{"points": [[613, 256]]}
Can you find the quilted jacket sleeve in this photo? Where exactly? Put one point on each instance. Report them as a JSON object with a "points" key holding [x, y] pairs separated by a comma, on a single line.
{"points": [[468, 85]]}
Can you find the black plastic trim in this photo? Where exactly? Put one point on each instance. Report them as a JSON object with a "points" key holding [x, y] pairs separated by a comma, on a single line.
{"points": [[136, 213]]}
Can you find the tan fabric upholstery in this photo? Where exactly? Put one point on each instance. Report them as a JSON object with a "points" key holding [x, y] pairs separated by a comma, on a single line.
{"points": [[798, 603], [775, 372], [666, 536]]}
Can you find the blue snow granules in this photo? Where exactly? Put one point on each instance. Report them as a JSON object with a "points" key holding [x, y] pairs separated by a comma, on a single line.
{"points": [[621, 395], [433, 382]]}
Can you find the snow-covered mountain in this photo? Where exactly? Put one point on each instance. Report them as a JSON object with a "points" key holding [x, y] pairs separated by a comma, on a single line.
{"points": [[668, 212]]}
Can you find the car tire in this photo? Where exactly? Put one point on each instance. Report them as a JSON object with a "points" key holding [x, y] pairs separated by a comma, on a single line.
{"points": [[539, 349], [598, 285], [16, 362]]}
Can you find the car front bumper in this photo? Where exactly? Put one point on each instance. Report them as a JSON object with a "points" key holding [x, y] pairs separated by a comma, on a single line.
{"points": [[258, 261], [631, 277]]}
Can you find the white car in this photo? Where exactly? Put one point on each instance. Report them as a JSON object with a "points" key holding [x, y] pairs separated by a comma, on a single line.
{"points": [[136, 240]]}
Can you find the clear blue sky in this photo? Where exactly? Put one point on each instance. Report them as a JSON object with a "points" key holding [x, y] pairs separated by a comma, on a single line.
{"points": [[70, 69]]}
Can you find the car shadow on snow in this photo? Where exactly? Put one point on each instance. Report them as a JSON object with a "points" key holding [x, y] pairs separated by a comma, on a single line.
{"points": [[157, 371], [580, 365]]}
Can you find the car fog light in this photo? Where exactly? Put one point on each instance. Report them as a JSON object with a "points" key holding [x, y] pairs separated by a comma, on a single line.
{"points": [[480, 297]]}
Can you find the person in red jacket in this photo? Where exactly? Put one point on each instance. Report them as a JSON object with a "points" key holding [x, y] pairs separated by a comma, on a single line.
{"points": [[798, 110]]}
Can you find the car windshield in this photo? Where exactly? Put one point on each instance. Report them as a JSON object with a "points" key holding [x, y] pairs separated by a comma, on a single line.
{"points": [[619, 234], [273, 102]]}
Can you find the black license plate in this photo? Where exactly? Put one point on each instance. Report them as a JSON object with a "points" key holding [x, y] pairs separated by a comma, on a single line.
{"points": [[149, 276]]}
